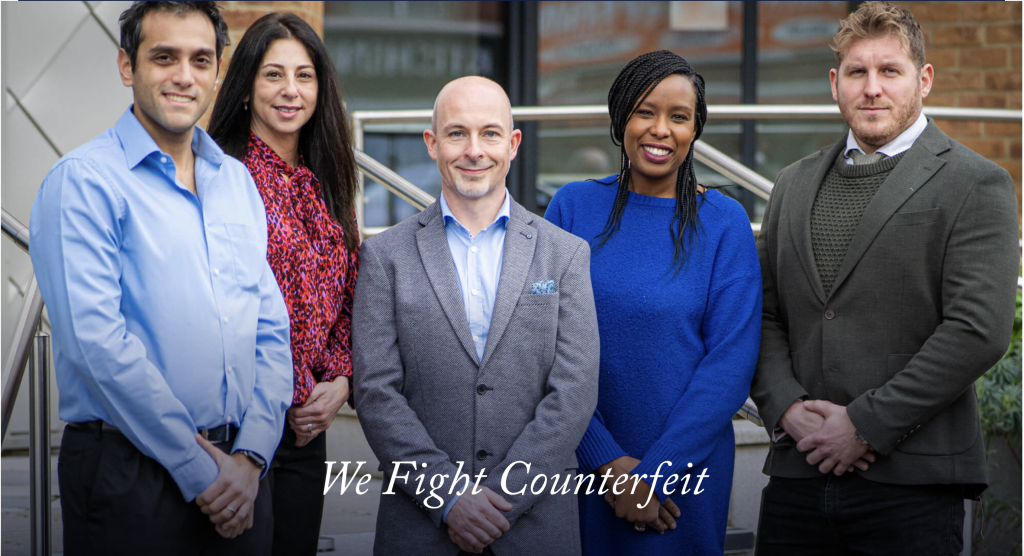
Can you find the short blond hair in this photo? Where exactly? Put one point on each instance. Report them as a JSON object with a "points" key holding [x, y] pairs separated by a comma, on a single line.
{"points": [[880, 19]]}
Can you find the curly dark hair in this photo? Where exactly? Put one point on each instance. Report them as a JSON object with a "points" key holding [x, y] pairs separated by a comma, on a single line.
{"points": [[632, 86]]}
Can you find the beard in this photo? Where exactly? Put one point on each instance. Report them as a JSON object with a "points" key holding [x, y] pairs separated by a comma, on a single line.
{"points": [[472, 188], [900, 116]]}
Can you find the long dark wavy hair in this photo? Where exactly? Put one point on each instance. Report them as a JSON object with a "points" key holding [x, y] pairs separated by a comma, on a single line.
{"points": [[324, 141], [640, 76]]}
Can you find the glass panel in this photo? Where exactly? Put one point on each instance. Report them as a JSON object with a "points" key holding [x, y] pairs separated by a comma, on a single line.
{"points": [[398, 55], [584, 45]]}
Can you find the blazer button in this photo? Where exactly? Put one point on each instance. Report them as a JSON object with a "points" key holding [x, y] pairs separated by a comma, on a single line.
{"points": [[482, 389], [481, 455], [830, 314]]}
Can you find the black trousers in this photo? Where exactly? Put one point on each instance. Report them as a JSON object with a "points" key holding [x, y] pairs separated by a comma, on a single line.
{"points": [[296, 481], [850, 515], [114, 500]]}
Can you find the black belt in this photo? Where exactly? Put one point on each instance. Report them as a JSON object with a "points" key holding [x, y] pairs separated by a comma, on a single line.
{"points": [[216, 435]]}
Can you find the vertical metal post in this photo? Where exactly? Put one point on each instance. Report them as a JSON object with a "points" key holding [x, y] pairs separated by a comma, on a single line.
{"points": [[39, 446]]}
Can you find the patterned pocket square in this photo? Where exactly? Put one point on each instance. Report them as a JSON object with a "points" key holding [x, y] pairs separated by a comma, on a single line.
{"points": [[547, 286]]}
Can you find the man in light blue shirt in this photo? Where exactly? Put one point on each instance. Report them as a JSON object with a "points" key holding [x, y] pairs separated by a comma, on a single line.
{"points": [[149, 245]]}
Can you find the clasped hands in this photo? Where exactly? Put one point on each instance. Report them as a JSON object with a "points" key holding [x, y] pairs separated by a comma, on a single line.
{"points": [[319, 410], [639, 505], [824, 430], [475, 521], [229, 499]]}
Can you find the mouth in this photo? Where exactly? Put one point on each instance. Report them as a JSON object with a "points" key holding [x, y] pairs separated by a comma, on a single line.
{"points": [[473, 171], [656, 153], [178, 99], [287, 111]]}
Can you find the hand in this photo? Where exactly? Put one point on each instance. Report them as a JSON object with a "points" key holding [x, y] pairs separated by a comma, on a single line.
{"points": [[319, 410], [799, 422], [474, 522], [236, 486], [625, 504], [833, 447]]}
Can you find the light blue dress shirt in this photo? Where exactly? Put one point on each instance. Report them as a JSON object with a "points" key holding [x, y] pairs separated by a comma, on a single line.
{"points": [[478, 265], [166, 317]]}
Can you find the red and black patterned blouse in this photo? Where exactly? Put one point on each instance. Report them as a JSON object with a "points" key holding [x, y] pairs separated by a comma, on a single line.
{"points": [[316, 272]]}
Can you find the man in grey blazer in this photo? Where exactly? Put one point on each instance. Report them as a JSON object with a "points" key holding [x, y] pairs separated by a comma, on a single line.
{"points": [[475, 352], [889, 262]]}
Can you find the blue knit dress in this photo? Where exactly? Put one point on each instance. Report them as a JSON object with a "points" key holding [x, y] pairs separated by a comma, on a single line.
{"points": [[677, 357]]}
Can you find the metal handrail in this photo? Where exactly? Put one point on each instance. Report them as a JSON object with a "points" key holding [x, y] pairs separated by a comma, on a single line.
{"points": [[14, 229], [392, 181]]}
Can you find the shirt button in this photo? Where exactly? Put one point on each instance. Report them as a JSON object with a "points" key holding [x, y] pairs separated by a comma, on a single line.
{"points": [[476, 338], [225, 320], [229, 419], [163, 160], [475, 292], [216, 272], [830, 314], [473, 249], [231, 369]]}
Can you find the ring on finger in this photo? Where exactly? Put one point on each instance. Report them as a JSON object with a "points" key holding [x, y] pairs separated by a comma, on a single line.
{"points": [[232, 509], [309, 427], [639, 528]]}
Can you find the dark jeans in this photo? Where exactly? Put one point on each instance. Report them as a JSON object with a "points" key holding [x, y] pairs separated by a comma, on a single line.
{"points": [[850, 515], [296, 480], [115, 500]]}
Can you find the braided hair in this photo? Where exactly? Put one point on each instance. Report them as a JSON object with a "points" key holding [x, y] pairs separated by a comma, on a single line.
{"points": [[632, 86]]}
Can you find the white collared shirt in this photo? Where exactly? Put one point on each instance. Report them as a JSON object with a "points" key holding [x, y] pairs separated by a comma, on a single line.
{"points": [[901, 143]]}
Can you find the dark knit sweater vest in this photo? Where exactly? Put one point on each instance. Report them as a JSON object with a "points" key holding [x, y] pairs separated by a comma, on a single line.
{"points": [[844, 194]]}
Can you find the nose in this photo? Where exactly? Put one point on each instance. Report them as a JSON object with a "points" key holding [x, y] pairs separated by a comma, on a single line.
{"points": [[290, 90], [184, 77], [872, 86], [659, 127], [474, 148]]}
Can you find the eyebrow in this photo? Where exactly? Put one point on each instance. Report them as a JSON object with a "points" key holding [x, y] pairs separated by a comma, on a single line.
{"points": [[162, 48], [277, 65], [648, 103], [457, 125]]}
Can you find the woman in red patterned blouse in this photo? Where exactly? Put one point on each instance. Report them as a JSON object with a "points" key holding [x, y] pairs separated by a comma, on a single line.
{"points": [[280, 112]]}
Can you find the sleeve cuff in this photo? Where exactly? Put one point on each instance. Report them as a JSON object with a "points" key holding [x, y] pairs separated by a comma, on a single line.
{"points": [[263, 443], [448, 507], [195, 475], [597, 447]]}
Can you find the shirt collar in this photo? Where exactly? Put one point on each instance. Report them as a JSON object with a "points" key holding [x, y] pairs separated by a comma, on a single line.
{"points": [[901, 143], [139, 144], [502, 216]]}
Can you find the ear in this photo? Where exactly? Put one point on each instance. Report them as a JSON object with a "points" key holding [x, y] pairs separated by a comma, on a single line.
{"points": [[833, 79], [517, 137], [124, 67], [431, 141], [927, 77]]}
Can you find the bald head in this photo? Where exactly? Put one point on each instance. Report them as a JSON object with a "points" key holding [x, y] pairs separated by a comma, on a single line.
{"points": [[471, 88]]}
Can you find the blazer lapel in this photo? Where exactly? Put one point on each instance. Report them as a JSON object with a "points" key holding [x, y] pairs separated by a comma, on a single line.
{"points": [[520, 241], [804, 191], [916, 168], [437, 261]]}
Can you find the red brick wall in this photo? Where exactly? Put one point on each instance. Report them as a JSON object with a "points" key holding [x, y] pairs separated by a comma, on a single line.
{"points": [[240, 15], [975, 48]]}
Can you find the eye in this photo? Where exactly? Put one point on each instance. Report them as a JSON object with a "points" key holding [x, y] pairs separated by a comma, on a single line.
{"points": [[680, 117], [163, 58], [306, 75], [491, 134], [644, 112], [455, 134], [203, 61]]}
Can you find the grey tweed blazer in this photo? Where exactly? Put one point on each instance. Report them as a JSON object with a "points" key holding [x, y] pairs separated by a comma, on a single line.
{"points": [[422, 396], [922, 306]]}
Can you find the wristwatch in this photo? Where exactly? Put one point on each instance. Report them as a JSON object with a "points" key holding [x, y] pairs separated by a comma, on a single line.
{"points": [[860, 438], [255, 458]]}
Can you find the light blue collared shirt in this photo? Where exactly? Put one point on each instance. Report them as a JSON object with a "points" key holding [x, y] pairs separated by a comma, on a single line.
{"points": [[478, 265], [166, 317]]}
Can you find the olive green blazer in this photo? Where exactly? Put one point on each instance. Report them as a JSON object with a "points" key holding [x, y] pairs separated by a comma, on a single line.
{"points": [[923, 305]]}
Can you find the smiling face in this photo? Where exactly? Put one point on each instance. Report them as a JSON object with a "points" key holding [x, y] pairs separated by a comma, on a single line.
{"points": [[473, 142], [879, 90], [658, 136], [284, 93], [175, 73]]}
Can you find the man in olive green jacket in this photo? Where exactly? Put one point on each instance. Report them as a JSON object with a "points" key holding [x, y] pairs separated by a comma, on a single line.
{"points": [[889, 262]]}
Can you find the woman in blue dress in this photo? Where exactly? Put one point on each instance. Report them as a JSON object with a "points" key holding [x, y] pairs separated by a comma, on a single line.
{"points": [[677, 285]]}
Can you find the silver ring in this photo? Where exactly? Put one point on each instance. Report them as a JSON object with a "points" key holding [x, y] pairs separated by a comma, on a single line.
{"points": [[309, 427], [639, 528], [232, 509]]}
